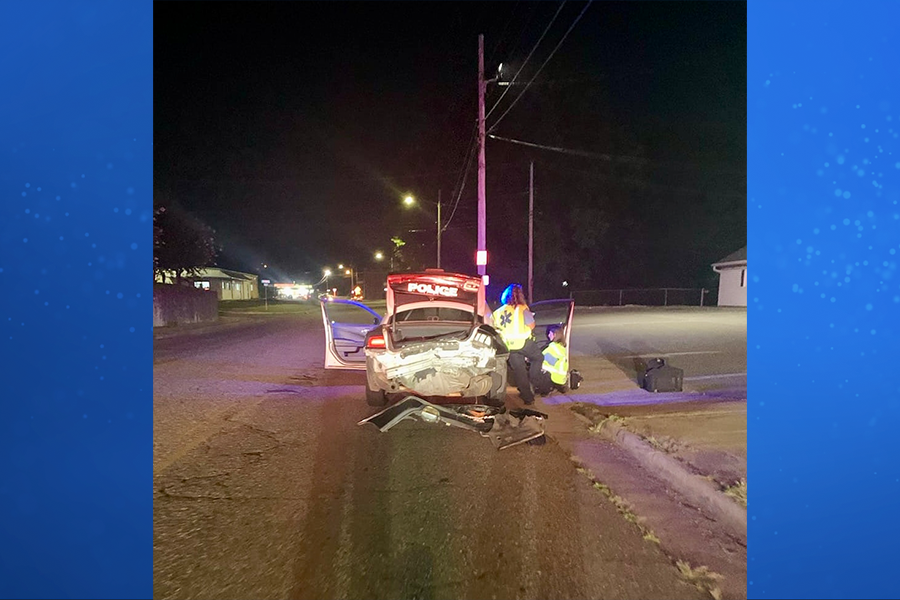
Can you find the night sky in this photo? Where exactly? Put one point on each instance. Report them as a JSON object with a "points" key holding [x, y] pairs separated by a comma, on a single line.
{"points": [[295, 130]]}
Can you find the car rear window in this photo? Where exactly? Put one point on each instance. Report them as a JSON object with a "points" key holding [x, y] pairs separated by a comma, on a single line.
{"points": [[434, 314]]}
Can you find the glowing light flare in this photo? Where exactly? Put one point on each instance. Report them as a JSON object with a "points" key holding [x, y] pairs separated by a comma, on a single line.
{"points": [[481, 257]]}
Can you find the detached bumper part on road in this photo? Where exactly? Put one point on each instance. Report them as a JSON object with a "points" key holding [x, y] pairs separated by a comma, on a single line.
{"points": [[505, 428]]}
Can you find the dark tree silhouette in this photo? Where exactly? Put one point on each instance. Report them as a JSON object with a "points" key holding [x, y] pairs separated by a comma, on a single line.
{"points": [[182, 244]]}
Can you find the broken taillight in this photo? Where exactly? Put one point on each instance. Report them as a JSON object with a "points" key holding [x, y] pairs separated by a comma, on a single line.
{"points": [[376, 341]]}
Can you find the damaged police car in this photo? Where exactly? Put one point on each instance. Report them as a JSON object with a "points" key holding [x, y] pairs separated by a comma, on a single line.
{"points": [[432, 341], [436, 340]]}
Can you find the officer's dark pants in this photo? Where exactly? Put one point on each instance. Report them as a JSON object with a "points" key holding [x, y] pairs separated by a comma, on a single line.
{"points": [[544, 384], [524, 374]]}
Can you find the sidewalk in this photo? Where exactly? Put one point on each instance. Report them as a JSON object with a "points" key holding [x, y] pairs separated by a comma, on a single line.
{"points": [[708, 436], [704, 428], [675, 463]]}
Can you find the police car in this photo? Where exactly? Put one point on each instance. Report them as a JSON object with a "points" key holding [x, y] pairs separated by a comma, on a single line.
{"points": [[432, 341]]}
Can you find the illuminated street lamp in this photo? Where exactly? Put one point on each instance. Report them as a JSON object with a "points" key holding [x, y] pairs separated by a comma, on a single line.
{"points": [[349, 273], [409, 201]]}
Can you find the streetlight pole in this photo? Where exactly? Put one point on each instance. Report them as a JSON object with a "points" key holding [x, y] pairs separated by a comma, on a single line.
{"points": [[410, 201], [481, 166], [482, 87], [530, 231], [439, 231]]}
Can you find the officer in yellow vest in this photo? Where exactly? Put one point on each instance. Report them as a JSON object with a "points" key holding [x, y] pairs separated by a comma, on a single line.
{"points": [[555, 368], [515, 323]]}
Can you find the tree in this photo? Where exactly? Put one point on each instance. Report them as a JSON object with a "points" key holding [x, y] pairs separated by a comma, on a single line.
{"points": [[397, 254], [182, 244]]}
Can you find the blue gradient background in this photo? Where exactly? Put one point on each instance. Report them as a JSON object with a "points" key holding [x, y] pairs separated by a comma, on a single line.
{"points": [[75, 308], [824, 236]]}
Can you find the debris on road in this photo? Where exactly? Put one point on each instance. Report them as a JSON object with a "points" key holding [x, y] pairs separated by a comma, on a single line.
{"points": [[504, 427]]}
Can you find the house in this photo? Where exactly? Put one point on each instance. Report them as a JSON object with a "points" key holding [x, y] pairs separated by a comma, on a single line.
{"points": [[732, 272], [227, 284]]}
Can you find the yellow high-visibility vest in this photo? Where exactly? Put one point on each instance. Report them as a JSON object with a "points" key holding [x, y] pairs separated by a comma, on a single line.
{"points": [[509, 321], [555, 363]]}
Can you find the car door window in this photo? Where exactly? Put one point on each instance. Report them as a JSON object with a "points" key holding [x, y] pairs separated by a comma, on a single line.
{"points": [[552, 312], [346, 325]]}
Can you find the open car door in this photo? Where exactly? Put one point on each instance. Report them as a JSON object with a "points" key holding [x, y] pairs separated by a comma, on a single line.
{"points": [[552, 312], [346, 325]]}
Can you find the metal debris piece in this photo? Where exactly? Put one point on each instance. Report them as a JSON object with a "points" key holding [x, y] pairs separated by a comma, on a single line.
{"points": [[505, 428]]}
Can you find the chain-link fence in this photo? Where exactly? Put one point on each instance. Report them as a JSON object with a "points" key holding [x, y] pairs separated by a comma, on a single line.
{"points": [[646, 297]]}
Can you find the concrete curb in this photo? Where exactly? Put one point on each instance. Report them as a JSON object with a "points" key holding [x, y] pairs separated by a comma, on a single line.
{"points": [[695, 488]]}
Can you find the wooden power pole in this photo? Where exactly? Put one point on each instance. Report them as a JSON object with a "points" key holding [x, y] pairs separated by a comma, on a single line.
{"points": [[531, 233]]}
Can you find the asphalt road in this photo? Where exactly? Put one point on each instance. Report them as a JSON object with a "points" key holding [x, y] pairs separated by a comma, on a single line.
{"points": [[265, 487]]}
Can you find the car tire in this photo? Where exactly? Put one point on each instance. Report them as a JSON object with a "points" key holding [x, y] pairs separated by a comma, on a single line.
{"points": [[375, 397], [498, 397]]}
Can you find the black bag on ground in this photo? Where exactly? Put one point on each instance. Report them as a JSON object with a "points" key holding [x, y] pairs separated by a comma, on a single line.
{"points": [[660, 377], [575, 379]]}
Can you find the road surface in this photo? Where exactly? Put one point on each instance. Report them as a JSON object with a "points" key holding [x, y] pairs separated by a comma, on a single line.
{"points": [[265, 487]]}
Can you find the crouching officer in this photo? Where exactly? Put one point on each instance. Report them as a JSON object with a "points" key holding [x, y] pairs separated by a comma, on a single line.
{"points": [[555, 367], [515, 324]]}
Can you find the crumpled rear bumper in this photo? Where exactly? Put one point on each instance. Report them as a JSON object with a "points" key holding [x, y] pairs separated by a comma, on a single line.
{"points": [[467, 368]]}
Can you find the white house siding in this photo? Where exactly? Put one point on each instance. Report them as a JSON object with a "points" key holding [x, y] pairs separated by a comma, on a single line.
{"points": [[731, 292]]}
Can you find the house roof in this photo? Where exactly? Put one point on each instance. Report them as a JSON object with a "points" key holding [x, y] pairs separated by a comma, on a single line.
{"points": [[217, 273], [739, 256]]}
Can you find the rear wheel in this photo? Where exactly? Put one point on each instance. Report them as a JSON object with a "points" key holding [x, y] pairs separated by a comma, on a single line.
{"points": [[375, 397], [497, 395]]}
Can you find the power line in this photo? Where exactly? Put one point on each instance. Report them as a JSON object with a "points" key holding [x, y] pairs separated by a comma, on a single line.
{"points": [[572, 26], [639, 183], [617, 158], [463, 180], [294, 180], [546, 29]]}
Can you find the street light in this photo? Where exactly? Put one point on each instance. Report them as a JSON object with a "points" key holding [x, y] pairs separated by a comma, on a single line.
{"points": [[349, 272], [409, 201]]}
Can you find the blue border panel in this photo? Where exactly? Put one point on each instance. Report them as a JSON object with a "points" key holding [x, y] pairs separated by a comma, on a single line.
{"points": [[75, 299], [824, 294]]}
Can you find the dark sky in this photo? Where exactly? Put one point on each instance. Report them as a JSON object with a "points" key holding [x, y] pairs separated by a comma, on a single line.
{"points": [[294, 130]]}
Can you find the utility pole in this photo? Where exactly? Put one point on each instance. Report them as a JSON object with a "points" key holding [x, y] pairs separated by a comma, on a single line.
{"points": [[439, 231], [481, 211], [530, 232]]}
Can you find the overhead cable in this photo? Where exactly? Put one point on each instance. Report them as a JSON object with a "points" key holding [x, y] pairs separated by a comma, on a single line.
{"points": [[572, 26]]}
